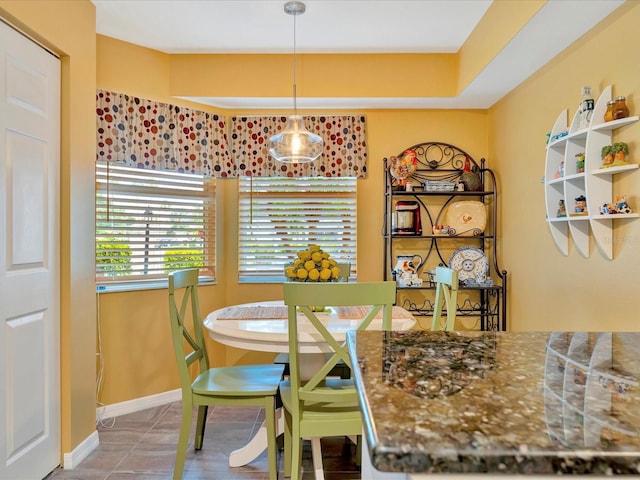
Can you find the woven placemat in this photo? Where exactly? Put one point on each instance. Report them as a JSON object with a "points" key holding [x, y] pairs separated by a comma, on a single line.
{"points": [[360, 312], [257, 312]]}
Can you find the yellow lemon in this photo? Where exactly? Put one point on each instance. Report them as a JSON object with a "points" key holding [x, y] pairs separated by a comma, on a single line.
{"points": [[325, 264], [316, 257], [333, 262], [314, 274], [325, 255], [302, 274], [335, 272], [297, 262], [314, 248], [309, 265], [304, 255], [290, 272], [325, 274]]}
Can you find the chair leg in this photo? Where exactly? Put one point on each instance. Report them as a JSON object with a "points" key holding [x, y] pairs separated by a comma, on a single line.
{"points": [[183, 440], [270, 420], [201, 423], [316, 453], [288, 443], [296, 453]]}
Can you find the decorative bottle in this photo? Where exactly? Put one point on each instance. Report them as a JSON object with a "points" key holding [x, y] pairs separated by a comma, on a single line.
{"points": [[586, 107], [608, 115], [620, 109]]}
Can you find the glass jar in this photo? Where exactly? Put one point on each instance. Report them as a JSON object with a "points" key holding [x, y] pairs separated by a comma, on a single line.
{"points": [[608, 115], [620, 109]]}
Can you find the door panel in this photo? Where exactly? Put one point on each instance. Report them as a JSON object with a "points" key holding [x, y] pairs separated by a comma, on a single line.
{"points": [[26, 188], [29, 258]]}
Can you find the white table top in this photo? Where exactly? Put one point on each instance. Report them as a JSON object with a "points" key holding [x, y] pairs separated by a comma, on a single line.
{"points": [[271, 335]]}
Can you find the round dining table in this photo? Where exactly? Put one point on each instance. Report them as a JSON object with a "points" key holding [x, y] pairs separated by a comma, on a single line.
{"points": [[262, 326]]}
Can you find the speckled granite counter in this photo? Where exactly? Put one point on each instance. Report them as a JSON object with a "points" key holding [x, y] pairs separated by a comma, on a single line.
{"points": [[531, 403]]}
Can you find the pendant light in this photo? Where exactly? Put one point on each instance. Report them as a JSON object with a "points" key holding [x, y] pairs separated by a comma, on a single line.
{"points": [[295, 144]]}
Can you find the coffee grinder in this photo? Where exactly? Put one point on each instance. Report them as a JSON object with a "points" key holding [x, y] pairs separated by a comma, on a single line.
{"points": [[406, 218]]}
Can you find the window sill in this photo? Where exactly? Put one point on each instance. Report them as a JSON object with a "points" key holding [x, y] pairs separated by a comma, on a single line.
{"points": [[145, 285], [263, 280]]}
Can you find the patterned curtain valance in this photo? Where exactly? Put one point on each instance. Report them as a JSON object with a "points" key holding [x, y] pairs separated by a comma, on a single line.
{"points": [[344, 155], [147, 134]]}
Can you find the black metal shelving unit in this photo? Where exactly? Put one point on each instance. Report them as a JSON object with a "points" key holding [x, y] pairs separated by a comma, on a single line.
{"points": [[485, 305]]}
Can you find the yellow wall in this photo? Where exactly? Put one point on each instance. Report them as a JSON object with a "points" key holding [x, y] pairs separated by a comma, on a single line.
{"points": [[68, 29], [373, 75], [549, 291], [141, 318]]}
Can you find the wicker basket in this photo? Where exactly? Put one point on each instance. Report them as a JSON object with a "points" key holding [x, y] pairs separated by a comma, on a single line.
{"points": [[439, 186]]}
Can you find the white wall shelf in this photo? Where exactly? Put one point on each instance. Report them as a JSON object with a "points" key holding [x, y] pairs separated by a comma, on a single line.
{"points": [[564, 183]]}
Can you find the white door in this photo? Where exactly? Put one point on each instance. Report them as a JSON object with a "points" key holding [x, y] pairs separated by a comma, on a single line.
{"points": [[29, 258]]}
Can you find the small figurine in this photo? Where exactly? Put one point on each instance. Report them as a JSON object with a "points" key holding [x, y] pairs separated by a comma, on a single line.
{"points": [[621, 204], [607, 156], [560, 172], [579, 162], [470, 178], [581, 205], [408, 276], [562, 210]]}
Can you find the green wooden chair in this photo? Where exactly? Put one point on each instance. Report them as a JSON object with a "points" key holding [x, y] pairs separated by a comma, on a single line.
{"points": [[446, 295], [345, 271], [242, 385], [321, 406], [340, 370]]}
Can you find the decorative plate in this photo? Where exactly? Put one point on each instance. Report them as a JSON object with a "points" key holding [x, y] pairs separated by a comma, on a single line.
{"points": [[404, 166], [466, 218], [471, 264]]}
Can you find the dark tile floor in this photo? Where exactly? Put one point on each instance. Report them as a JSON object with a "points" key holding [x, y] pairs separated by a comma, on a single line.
{"points": [[142, 446]]}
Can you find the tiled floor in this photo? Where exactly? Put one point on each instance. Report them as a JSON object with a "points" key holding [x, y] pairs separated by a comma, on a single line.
{"points": [[142, 446]]}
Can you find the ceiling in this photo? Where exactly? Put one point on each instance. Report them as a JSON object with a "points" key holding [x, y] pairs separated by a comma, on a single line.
{"points": [[350, 26]]}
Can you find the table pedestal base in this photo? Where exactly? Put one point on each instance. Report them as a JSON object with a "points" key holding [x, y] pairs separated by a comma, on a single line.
{"points": [[258, 444]]}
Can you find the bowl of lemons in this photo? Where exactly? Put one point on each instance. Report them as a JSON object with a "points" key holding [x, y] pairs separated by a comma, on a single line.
{"points": [[313, 265]]}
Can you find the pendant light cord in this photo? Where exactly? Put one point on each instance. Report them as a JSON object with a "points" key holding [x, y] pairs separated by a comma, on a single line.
{"points": [[295, 102]]}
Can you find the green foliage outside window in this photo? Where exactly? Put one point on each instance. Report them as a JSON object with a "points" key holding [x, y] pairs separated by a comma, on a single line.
{"points": [[113, 257], [179, 259]]}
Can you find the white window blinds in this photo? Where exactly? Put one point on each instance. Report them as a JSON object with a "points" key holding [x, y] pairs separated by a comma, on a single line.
{"points": [[150, 222], [279, 216]]}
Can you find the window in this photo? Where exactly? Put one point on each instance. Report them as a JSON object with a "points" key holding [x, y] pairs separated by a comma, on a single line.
{"points": [[279, 216], [151, 222]]}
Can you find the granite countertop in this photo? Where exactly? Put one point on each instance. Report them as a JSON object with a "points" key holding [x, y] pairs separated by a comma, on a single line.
{"points": [[500, 402]]}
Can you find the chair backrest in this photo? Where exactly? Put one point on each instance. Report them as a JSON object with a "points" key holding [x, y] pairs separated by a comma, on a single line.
{"points": [[447, 295], [186, 324], [345, 271], [299, 296]]}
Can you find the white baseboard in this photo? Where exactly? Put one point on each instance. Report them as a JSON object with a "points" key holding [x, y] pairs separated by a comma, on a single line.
{"points": [[135, 405], [73, 459]]}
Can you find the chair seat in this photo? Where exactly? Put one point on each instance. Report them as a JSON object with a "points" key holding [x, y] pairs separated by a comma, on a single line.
{"points": [[340, 369], [338, 410], [239, 380]]}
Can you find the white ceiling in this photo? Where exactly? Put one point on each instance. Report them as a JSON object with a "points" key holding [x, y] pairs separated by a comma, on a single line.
{"points": [[350, 26]]}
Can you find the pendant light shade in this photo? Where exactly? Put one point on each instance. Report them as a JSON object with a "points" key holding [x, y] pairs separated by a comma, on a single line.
{"points": [[295, 144]]}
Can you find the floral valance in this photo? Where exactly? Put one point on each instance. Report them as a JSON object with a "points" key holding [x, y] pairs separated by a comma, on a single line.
{"points": [[344, 155], [153, 135]]}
